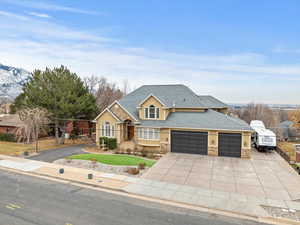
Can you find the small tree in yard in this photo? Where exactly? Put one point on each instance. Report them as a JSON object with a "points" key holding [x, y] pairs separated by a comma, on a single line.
{"points": [[62, 93], [33, 121]]}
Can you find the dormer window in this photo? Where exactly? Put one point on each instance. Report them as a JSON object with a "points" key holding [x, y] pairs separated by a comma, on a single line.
{"points": [[152, 112]]}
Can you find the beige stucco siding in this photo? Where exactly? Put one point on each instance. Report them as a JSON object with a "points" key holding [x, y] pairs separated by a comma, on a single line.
{"points": [[151, 101], [120, 112], [107, 117]]}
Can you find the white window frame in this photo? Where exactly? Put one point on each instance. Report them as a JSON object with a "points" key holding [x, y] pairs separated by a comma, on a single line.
{"points": [[145, 133], [156, 113], [108, 129]]}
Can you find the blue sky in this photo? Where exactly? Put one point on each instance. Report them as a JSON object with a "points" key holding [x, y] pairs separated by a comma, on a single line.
{"points": [[238, 51]]}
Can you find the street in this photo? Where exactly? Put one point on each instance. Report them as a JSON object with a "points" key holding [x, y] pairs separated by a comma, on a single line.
{"points": [[26, 200]]}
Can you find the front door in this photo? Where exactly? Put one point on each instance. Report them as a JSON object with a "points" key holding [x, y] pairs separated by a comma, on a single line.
{"points": [[130, 130]]}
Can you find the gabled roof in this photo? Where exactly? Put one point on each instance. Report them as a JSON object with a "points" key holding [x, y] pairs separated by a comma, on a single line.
{"points": [[151, 95], [107, 110], [179, 95], [209, 119]]}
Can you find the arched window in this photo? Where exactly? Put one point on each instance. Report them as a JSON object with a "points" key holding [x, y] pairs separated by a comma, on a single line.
{"points": [[107, 129], [152, 112]]}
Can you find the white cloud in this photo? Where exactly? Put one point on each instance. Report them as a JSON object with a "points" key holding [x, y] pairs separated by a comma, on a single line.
{"points": [[13, 15], [233, 77], [40, 15], [49, 6], [280, 49], [25, 27]]}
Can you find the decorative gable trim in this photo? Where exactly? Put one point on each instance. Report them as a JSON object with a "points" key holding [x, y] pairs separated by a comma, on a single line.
{"points": [[116, 102], [152, 95], [107, 110]]}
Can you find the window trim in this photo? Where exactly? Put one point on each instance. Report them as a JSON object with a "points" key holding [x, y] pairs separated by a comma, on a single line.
{"points": [[147, 112], [108, 129], [145, 131]]}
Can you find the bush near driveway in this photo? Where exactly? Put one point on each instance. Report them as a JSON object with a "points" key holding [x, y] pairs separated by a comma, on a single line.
{"points": [[8, 137], [111, 143], [118, 160]]}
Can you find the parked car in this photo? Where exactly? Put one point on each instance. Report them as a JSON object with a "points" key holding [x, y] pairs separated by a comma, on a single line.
{"points": [[263, 139]]}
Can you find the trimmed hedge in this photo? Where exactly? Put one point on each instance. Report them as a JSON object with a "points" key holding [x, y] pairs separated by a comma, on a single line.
{"points": [[8, 137], [111, 143]]}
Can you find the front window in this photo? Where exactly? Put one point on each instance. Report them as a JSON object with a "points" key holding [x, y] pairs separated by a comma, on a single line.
{"points": [[152, 112], [108, 130], [149, 133]]}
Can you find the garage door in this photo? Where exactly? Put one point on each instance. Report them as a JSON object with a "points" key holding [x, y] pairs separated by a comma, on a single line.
{"points": [[230, 144], [189, 142]]}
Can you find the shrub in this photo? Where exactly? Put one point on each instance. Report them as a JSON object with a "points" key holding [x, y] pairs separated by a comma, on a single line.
{"points": [[144, 152], [94, 161], [103, 140], [111, 143], [8, 137], [133, 171], [142, 166], [128, 151]]}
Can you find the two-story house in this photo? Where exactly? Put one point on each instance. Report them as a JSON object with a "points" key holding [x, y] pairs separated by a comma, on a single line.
{"points": [[174, 118]]}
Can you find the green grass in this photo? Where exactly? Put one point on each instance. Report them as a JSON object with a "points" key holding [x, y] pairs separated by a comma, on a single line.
{"points": [[118, 160]]}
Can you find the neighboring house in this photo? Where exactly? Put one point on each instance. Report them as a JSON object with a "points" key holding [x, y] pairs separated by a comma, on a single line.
{"points": [[82, 127], [174, 118], [288, 130], [9, 123], [5, 108]]}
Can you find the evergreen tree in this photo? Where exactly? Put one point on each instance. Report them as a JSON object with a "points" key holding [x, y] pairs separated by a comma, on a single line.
{"points": [[62, 93]]}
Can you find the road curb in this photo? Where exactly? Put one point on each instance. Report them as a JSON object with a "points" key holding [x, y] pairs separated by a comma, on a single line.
{"points": [[269, 220]]}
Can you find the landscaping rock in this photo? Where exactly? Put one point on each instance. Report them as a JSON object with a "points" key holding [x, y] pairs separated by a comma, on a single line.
{"points": [[86, 164]]}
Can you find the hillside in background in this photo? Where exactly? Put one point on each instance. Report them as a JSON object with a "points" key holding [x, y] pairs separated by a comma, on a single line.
{"points": [[11, 81]]}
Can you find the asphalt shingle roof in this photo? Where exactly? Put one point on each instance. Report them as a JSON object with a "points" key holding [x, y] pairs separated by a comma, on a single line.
{"points": [[179, 95], [209, 119]]}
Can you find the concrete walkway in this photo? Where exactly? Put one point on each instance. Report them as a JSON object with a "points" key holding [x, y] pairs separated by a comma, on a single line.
{"points": [[194, 196], [54, 154]]}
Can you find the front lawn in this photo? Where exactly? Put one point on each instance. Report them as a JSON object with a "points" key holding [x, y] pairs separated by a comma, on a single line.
{"points": [[118, 160], [13, 148]]}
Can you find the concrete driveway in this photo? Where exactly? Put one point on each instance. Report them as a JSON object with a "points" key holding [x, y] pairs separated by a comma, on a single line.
{"points": [[265, 175], [58, 153]]}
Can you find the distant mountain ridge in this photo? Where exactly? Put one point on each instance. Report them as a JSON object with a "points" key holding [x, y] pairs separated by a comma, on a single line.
{"points": [[11, 80]]}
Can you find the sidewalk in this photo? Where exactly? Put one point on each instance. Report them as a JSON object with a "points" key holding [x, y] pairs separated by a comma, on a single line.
{"points": [[194, 196], [72, 174]]}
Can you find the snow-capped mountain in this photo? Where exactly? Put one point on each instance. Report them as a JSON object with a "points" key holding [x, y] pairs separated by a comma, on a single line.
{"points": [[11, 80]]}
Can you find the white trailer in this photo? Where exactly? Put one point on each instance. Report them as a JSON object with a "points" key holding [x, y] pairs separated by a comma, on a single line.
{"points": [[262, 138]]}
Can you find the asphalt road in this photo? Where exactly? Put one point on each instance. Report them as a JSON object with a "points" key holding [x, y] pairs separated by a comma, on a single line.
{"points": [[26, 200], [58, 153]]}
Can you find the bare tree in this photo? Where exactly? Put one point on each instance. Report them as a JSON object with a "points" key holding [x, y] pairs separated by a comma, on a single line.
{"points": [[295, 116], [259, 112], [92, 83], [126, 87], [33, 121], [104, 91]]}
